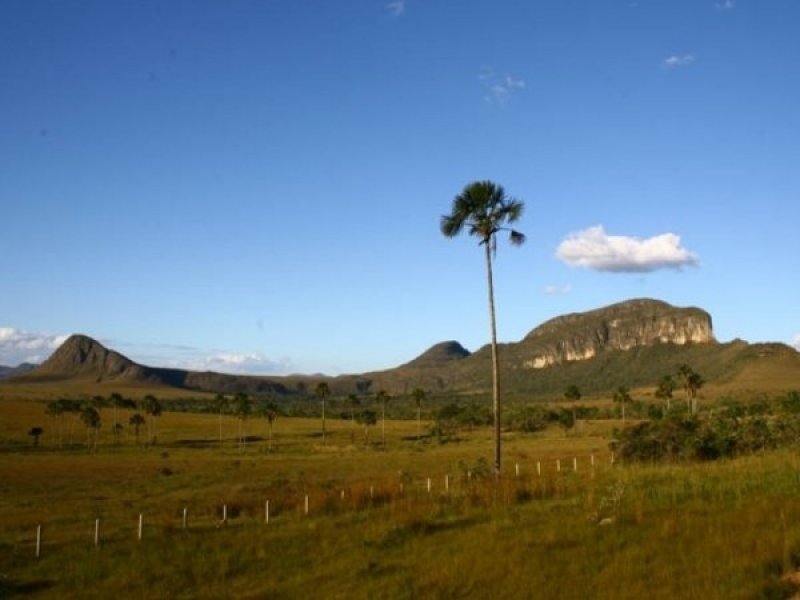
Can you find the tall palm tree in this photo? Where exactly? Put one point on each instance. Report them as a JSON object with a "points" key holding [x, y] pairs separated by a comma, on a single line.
{"points": [[242, 407], [485, 210], [322, 391], [220, 404], [622, 395]]}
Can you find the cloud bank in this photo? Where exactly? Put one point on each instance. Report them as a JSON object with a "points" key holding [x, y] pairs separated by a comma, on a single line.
{"points": [[19, 346], [594, 249]]}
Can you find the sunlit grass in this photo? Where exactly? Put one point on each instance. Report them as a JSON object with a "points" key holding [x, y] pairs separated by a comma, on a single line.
{"points": [[723, 530]]}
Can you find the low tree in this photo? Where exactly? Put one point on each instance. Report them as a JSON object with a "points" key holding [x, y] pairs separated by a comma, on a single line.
{"points": [[322, 391], [35, 432], [418, 394], [136, 421], [623, 397], [55, 409]]}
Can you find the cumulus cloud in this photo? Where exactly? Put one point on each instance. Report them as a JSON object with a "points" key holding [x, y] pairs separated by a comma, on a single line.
{"points": [[499, 89], [594, 249], [397, 8], [675, 61], [18, 346]]}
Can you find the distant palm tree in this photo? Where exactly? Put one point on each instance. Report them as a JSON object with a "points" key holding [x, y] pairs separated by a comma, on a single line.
{"points": [[136, 421], [622, 396], [242, 407], [271, 413], [353, 401], [692, 382], [382, 397], [322, 391], [35, 432], [91, 418], [418, 394], [152, 407], [664, 391], [220, 404], [484, 209], [116, 401]]}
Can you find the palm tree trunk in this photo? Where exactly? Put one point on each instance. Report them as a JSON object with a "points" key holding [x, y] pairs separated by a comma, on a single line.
{"points": [[419, 422], [495, 364], [383, 424]]}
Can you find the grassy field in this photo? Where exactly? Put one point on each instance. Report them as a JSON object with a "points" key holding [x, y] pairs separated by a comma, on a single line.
{"points": [[373, 529]]}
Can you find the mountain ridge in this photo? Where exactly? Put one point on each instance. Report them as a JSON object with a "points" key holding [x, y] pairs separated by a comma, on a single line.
{"points": [[629, 343]]}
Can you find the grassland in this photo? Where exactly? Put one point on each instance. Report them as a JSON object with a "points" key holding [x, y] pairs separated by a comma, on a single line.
{"points": [[729, 529]]}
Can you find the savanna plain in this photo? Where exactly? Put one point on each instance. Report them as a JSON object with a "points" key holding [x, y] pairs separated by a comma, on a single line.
{"points": [[212, 511]]}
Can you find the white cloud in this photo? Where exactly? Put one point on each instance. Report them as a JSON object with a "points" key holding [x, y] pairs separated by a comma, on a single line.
{"points": [[726, 5], [18, 346], [557, 290], [594, 249], [675, 61], [198, 359], [499, 89], [796, 342], [397, 8]]}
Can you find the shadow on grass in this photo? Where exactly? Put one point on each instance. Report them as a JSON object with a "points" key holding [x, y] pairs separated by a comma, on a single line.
{"points": [[10, 588]]}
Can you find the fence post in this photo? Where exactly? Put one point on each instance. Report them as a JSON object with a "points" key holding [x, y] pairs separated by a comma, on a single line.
{"points": [[516, 468], [558, 465], [38, 540], [185, 515], [266, 511], [429, 485], [141, 522], [539, 467], [306, 506], [575, 464], [97, 532]]}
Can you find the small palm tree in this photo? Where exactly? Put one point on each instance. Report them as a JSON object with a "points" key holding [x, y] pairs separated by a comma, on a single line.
{"points": [[664, 390], [151, 407], [35, 432], [271, 413], [322, 391], [242, 407], [622, 396], [692, 382], [91, 418], [418, 394], [353, 402], [136, 421], [382, 397], [484, 209], [220, 405]]}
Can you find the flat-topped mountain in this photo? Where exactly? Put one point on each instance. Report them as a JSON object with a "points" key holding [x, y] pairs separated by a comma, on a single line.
{"points": [[641, 322]]}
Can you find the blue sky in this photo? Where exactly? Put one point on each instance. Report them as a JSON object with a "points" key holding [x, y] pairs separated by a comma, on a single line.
{"points": [[257, 186]]}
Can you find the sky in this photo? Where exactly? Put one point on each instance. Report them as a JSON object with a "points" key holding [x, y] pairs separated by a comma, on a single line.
{"points": [[256, 186]]}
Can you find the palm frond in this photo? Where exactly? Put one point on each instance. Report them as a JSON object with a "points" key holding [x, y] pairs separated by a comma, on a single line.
{"points": [[516, 238]]}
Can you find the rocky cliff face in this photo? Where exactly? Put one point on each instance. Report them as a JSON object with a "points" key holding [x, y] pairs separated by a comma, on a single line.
{"points": [[621, 326]]}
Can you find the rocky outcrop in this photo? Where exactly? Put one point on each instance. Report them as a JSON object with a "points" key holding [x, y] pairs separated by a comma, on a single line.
{"points": [[622, 326]]}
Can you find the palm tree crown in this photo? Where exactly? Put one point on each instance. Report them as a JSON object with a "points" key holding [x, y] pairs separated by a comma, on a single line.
{"points": [[484, 209]]}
